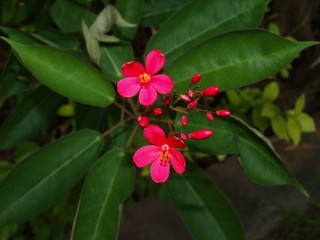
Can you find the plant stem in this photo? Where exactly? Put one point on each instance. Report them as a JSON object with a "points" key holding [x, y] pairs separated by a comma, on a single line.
{"points": [[133, 107], [116, 126], [123, 108], [131, 136]]}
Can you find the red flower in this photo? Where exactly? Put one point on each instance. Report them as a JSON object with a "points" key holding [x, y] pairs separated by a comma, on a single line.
{"points": [[144, 80], [161, 154]]}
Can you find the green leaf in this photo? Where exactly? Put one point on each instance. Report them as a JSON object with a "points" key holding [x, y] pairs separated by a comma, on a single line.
{"points": [[260, 122], [274, 28], [46, 175], [233, 97], [306, 122], [269, 110], [19, 36], [131, 11], [5, 168], [65, 74], [29, 117], [68, 16], [112, 59], [12, 81], [231, 135], [294, 130], [230, 60], [24, 150], [300, 103], [108, 184], [197, 198], [203, 19], [271, 92], [66, 110], [279, 127], [155, 13]]}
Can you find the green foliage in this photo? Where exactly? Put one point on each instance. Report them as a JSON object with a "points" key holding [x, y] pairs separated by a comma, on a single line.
{"points": [[46, 165]]}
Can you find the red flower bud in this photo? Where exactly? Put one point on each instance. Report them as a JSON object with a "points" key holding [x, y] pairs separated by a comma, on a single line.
{"points": [[183, 136], [143, 121], [210, 115], [195, 78], [200, 134], [157, 111], [223, 113], [191, 93], [184, 120], [166, 101], [210, 91], [185, 98], [192, 104]]}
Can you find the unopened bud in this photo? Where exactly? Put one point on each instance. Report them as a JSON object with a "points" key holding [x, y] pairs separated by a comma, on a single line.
{"points": [[183, 136], [184, 120], [157, 111], [143, 121], [192, 104], [191, 93], [200, 134], [185, 98], [166, 101], [210, 115], [210, 91], [223, 113], [195, 78]]}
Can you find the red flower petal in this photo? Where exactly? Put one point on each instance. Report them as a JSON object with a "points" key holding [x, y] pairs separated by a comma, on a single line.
{"points": [[177, 161], [154, 134], [128, 87], [132, 69], [175, 142], [147, 96], [154, 62], [146, 155], [162, 83], [160, 173]]}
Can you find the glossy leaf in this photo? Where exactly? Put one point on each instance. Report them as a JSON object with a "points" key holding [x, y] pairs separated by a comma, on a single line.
{"points": [[231, 135], [196, 197], [112, 59], [68, 16], [155, 13], [203, 19], [46, 175], [29, 117], [131, 11], [19, 36], [106, 187], [65, 74], [235, 59]]}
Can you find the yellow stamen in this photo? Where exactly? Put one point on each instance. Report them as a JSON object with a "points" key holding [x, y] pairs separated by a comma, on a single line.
{"points": [[164, 155], [144, 78]]}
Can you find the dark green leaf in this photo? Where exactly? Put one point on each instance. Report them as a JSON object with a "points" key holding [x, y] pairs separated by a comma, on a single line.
{"points": [[65, 74], [112, 59], [12, 82], [68, 16], [157, 12], [19, 36], [131, 11], [108, 184], [231, 135], [235, 59], [46, 175], [198, 199], [203, 19], [29, 117]]}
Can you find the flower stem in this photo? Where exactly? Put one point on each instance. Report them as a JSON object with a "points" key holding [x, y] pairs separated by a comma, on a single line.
{"points": [[133, 107], [123, 108], [131, 136], [115, 127]]}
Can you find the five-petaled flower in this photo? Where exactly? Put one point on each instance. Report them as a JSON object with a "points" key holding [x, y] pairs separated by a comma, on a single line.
{"points": [[144, 80], [161, 154]]}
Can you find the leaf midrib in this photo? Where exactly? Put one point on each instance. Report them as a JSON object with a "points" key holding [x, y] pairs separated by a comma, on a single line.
{"points": [[47, 177], [118, 73]]}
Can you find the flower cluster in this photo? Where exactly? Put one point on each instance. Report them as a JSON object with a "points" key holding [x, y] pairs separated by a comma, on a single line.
{"points": [[145, 82]]}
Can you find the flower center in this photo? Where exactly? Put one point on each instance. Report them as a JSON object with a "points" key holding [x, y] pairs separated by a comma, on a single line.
{"points": [[164, 155], [144, 78]]}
